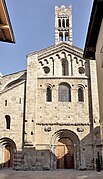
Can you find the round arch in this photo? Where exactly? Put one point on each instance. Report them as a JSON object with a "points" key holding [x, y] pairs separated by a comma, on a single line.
{"points": [[80, 92], [65, 133], [8, 148], [71, 136], [7, 141]]}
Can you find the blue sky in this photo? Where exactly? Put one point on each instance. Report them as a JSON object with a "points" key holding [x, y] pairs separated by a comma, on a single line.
{"points": [[33, 26]]}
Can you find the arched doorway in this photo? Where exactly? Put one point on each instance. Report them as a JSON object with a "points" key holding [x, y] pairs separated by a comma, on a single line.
{"points": [[8, 149], [65, 147], [8, 156], [65, 154]]}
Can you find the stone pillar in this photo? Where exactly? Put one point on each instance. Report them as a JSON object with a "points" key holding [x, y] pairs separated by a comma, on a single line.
{"points": [[31, 99], [94, 112], [58, 65], [94, 93], [69, 62], [56, 26], [83, 163], [70, 26]]}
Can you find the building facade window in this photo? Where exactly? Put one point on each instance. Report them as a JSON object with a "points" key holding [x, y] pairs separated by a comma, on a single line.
{"points": [[6, 102], [64, 92], [64, 67], [19, 100], [59, 23], [63, 23], [80, 94], [7, 117], [67, 22], [49, 94], [60, 36], [67, 36]]}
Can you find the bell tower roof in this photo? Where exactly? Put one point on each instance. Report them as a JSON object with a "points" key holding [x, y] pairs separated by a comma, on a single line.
{"points": [[63, 24]]}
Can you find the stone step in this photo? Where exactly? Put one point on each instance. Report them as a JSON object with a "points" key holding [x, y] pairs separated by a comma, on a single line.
{"points": [[18, 161]]}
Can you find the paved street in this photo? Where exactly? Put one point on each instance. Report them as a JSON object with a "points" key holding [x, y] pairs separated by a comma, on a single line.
{"points": [[56, 174]]}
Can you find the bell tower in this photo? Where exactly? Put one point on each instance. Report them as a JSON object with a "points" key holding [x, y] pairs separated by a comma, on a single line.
{"points": [[63, 24]]}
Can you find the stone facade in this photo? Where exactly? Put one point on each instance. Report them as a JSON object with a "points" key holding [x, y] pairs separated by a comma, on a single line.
{"points": [[94, 50], [50, 113], [99, 63]]}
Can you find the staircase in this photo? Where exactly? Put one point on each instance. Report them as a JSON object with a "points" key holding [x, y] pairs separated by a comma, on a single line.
{"points": [[18, 161]]}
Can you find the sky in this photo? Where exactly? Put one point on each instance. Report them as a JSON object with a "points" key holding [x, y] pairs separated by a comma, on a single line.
{"points": [[33, 26]]}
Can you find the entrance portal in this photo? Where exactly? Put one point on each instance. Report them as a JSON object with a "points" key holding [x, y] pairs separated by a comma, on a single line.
{"points": [[8, 156], [65, 154], [8, 147]]}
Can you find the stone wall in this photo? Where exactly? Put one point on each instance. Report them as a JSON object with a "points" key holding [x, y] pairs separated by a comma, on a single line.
{"points": [[15, 109]]}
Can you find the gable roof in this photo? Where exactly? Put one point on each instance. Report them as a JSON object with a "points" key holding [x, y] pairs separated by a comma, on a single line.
{"points": [[57, 48], [6, 32], [93, 29]]}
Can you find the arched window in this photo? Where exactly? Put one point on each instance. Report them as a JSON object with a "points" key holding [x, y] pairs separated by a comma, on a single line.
{"points": [[60, 36], [6, 102], [66, 36], [80, 94], [49, 94], [59, 22], [67, 22], [64, 67], [63, 23], [64, 92], [7, 117]]}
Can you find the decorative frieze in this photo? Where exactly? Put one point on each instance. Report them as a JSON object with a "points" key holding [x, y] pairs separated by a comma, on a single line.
{"points": [[63, 124]]}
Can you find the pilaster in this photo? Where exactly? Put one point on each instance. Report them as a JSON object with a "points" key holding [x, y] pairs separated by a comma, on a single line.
{"points": [[31, 95]]}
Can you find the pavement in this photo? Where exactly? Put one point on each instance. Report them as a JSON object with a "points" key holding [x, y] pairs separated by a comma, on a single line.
{"points": [[52, 174]]}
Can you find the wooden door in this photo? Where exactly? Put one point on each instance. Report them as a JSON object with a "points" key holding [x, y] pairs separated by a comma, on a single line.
{"points": [[60, 150], [65, 154], [8, 156]]}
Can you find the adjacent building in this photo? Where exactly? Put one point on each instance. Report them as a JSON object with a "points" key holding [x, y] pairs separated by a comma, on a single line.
{"points": [[94, 51], [50, 112], [6, 32]]}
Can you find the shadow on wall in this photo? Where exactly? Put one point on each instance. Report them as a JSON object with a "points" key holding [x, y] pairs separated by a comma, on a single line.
{"points": [[32, 159], [91, 147]]}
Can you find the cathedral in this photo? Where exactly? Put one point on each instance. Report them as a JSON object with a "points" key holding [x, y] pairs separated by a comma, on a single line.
{"points": [[49, 114]]}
